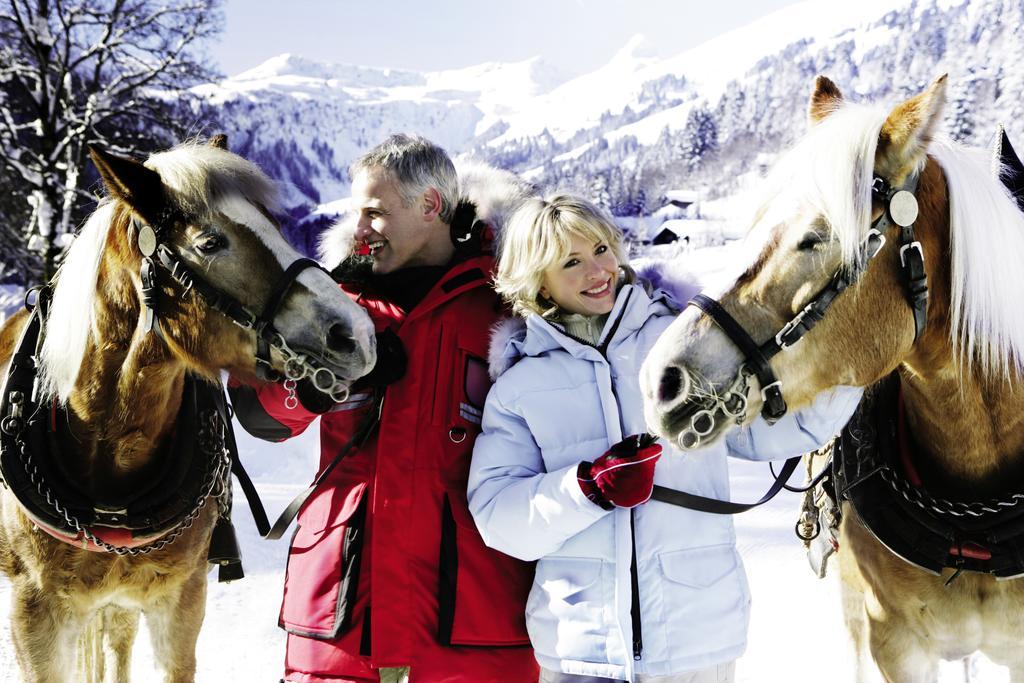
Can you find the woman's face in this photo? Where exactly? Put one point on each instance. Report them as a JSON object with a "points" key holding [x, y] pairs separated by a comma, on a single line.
{"points": [[583, 281]]}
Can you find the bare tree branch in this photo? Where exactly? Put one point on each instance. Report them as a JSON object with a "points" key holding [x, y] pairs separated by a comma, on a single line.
{"points": [[74, 72]]}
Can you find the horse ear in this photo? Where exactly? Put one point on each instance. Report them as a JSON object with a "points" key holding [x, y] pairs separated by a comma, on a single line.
{"points": [[825, 99], [220, 141], [905, 135], [131, 182]]}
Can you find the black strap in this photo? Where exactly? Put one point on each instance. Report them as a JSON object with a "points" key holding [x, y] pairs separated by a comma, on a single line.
{"points": [[366, 427], [217, 300], [915, 279], [692, 501], [259, 514], [774, 406], [284, 283]]}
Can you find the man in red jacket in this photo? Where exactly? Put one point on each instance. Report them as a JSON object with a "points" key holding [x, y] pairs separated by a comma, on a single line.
{"points": [[388, 578]]}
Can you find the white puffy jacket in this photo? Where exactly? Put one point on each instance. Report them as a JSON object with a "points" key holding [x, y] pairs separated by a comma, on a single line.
{"points": [[558, 401]]}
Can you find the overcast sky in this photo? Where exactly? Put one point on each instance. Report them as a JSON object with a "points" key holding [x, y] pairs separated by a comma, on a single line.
{"points": [[575, 35]]}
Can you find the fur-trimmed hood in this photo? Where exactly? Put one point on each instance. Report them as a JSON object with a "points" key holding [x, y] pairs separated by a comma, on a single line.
{"points": [[508, 336], [495, 193]]}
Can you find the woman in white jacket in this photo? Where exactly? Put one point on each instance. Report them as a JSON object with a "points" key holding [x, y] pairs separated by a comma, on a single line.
{"points": [[626, 589]]}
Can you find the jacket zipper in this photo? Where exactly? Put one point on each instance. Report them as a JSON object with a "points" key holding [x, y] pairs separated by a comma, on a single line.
{"points": [[634, 579], [634, 606]]}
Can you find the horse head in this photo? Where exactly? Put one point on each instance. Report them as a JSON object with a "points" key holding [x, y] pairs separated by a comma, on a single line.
{"points": [[831, 234], [187, 254]]}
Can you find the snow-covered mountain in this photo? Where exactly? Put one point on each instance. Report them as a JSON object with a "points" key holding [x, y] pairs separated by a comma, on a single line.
{"points": [[305, 121], [641, 124]]}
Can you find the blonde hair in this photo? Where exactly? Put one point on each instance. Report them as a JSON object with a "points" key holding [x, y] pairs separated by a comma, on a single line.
{"points": [[538, 236]]}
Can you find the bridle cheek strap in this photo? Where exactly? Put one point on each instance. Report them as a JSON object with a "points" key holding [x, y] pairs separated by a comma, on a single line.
{"points": [[262, 324], [264, 367], [774, 406], [757, 357]]}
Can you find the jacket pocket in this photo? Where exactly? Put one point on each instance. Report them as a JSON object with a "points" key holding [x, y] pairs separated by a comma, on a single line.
{"points": [[322, 575], [481, 592], [463, 407], [705, 599], [569, 608]]}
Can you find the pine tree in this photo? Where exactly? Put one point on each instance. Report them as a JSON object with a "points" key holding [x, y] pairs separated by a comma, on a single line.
{"points": [[700, 137]]}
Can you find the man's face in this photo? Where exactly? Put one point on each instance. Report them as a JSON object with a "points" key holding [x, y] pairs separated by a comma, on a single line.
{"points": [[398, 235]]}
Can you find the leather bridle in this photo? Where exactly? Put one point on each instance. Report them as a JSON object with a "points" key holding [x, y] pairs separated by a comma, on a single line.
{"points": [[156, 253], [901, 210]]}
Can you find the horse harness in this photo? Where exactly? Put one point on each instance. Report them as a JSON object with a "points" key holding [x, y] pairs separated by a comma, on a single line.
{"points": [[156, 252], [191, 473], [900, 209], [873, 468]]}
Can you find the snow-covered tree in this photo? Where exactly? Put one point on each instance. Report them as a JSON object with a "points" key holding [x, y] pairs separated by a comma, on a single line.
{"points": [[700, 138], [79, 72]]}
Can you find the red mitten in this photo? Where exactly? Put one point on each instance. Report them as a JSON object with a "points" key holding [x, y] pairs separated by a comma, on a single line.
{"points": [[624, 475]]}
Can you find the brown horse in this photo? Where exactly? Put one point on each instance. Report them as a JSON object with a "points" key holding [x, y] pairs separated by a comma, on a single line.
{"points": [[954, 359], [127, 348]]}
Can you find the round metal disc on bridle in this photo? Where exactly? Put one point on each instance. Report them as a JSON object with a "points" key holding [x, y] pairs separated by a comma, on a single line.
{"points": [[903, 208], [147, 240]]}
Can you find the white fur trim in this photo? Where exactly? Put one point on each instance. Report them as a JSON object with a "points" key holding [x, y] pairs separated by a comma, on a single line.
{"points": [[496, 193], [502, 332], [337, 242], [662, 275]]}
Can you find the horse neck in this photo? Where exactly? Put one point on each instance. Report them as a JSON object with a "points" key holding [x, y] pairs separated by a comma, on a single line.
{"points": [[129, 387], [971, 428], [969, 425]]}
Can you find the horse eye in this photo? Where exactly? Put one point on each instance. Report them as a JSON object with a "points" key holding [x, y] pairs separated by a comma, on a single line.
{"points": [[210, 243], [810, 241]]}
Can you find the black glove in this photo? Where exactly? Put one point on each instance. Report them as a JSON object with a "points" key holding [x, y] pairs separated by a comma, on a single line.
{"points": [[390, 365], [389, 368]]}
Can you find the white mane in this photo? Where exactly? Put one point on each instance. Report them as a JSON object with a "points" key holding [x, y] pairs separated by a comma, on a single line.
{"points": [[198, 177], [832, 166], [987, 245], [831, 169], [72, 306]]}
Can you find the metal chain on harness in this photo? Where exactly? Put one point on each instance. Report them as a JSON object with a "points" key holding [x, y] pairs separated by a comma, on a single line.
{"points": [[943, 506], [216, 483]]}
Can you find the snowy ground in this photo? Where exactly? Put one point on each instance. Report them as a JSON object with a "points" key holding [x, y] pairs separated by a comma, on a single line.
{"points": [[796, 633]]}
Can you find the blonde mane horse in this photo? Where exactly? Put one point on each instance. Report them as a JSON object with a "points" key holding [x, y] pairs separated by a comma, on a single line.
{"points": [[960, 378], [116, 383]]}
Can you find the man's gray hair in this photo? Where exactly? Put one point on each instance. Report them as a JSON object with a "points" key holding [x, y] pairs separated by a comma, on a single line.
{"points": [[414, 163]]}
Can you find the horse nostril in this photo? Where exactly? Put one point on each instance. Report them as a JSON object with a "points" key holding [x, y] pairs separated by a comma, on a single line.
{"points": [[670, 384], [339, 339]]}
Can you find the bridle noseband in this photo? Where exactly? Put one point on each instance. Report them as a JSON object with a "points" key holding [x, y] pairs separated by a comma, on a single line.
{"points": [[901, 209], [156, 252]]}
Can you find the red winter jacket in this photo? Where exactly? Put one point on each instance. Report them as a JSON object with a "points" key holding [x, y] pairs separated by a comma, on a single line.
{"points": [[386, 567]]}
